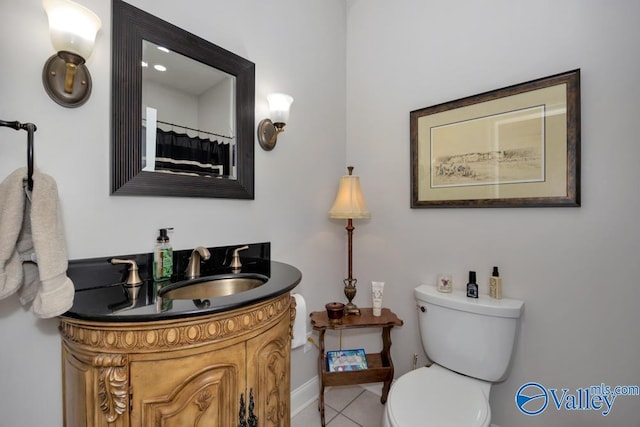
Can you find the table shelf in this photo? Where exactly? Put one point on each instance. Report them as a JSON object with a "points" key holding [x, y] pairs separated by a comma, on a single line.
{"points": [[375, 372]]}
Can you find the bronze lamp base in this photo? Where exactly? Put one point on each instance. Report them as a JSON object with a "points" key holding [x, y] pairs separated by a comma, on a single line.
{"points": [[350, 292]]}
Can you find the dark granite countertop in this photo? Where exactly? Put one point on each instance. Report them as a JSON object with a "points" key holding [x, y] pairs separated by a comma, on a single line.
{"points": [[97, 291]]}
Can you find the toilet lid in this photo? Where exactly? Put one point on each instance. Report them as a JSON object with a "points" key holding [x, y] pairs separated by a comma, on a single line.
{"points": [[436, 397]]}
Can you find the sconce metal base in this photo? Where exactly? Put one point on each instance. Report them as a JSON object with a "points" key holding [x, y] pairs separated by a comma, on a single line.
{"points": [[67, 90], [268, 133]]}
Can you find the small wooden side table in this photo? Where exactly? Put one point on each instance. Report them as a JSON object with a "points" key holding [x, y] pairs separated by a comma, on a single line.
{"points": [[380, 366]]}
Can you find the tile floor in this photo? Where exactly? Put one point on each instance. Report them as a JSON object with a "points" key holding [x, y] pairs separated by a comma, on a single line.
{"points": [[351, 406]]}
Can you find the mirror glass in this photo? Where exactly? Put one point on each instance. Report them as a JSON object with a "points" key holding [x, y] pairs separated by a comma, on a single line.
{"points": [[188, 115], [183, 112]]}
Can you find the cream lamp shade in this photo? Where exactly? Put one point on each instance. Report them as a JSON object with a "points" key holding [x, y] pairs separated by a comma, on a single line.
{"points": [[73, 27], [279, 106], [349, 201]]}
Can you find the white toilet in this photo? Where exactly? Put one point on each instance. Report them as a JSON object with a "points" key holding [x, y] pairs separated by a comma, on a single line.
{"points": [[470, 342]]}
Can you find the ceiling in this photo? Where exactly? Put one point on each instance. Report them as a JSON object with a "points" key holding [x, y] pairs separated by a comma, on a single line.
{"points": [[182, 73]]}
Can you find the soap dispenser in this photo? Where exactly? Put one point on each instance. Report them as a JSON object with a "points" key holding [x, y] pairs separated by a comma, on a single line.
{"points": [[162, 268], [163, 256]]}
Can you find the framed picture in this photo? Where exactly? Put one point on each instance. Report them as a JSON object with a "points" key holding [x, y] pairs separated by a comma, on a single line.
{"points": [[513, 147], [346, 360]]}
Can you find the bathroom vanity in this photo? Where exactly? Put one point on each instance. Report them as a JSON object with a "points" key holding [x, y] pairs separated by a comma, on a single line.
{"points": [[223, 363]]}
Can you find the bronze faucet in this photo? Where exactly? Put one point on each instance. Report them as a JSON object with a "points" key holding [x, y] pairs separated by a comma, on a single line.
{"points": [[193, 268]]}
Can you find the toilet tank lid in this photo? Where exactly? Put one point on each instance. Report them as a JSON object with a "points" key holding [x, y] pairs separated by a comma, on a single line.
{"points": [[458, 300]]}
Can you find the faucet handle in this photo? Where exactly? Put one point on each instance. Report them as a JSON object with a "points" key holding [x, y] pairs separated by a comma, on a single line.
{"points": [[134, 278], [134, 283], [235, 259]]}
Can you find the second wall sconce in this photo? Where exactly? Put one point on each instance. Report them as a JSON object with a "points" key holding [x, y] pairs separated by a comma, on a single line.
{"points": [[268, 129], [73, 30]]}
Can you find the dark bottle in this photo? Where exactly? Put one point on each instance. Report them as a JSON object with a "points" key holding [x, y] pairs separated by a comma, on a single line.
{"points": [[472, 286]]}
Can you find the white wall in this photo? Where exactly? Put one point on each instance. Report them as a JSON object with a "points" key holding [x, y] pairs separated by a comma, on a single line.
{"points": [[295, 184], [577, 269], [173, 106], [216, 109]]}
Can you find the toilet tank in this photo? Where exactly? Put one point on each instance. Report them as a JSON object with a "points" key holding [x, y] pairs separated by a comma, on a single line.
{"points": [[474, 337]]}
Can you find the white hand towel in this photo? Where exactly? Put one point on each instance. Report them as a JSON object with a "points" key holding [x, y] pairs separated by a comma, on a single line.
{"points": [[39, 251], [12, 199], [54, 291]]}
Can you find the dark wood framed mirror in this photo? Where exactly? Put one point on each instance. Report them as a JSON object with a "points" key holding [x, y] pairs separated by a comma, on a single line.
{"points": [[130, 171]]}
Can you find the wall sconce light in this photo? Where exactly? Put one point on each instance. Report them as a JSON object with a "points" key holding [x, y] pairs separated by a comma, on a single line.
{"points": [[268, 129], [350, 205], [73, 31]]}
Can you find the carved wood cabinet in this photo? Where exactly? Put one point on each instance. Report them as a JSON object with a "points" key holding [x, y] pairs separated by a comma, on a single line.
{"points": [[226, 369]]}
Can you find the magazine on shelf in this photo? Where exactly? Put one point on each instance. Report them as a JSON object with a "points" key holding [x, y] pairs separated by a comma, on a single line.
{"points": [[346, 360]]}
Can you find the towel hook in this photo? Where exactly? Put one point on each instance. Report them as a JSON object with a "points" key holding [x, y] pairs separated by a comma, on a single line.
{"points": [[30, 128]]}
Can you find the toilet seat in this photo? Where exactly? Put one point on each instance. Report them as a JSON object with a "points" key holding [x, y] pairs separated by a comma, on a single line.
{"points": [[435, 396]]}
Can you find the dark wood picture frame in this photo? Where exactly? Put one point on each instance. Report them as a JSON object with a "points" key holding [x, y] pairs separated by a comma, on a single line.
{"points": [[518, 146]]}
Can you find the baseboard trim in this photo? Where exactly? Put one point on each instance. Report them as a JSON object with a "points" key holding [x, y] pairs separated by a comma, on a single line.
{"points": [[375, 388], [304, 395]]}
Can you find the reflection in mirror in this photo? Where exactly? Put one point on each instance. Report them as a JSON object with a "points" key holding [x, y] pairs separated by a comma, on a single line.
{"points": [[188, 123], [188, 130]]}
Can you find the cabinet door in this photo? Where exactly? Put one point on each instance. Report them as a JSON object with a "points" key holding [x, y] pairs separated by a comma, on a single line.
{"points": [[189, 389], [268, 367]]}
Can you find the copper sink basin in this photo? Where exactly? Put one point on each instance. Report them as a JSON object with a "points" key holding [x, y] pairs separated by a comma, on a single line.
{"points": [[213, 286]]}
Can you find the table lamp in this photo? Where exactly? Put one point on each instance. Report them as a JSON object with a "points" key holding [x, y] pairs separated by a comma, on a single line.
{"points": [[350, 205]]}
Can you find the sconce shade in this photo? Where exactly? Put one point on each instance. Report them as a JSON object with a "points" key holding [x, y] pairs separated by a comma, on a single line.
{"points": [[279, 105], [73, 27], [349, 203], [73, 30]]}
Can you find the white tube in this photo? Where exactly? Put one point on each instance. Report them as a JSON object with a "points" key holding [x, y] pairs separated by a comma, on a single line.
{"points": [[376, 294]]}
